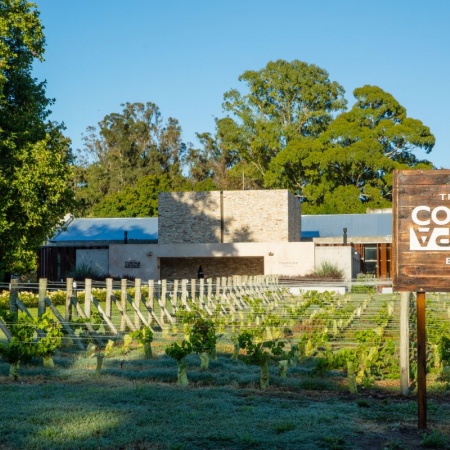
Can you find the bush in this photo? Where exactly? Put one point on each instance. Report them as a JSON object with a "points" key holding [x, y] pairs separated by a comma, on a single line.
{"points": [[84, 271], [328, 270]]}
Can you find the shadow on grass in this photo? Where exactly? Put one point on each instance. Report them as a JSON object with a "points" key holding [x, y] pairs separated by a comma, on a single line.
{"points": [[136, 404]]}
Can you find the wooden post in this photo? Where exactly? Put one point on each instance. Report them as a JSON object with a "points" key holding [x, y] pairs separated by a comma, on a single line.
{"points": [[150, 299], [163, 298], [42, 294], [123, 303], [13, 297], [193, 289], [87, 297], [209, 281], [404, 343], [108, 303], [137, 302], [174, 298], [421, 362], [201, 292], [69, 294], [217, 286], [183, 292]]}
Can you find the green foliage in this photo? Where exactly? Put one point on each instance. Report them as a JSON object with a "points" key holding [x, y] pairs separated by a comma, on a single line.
{"points": [[285, 100], [127, 161], [349, 167], [203, 336], [434, 439], [179, 351], [48, 344], [27, 342], [144, 336], [260, 352], [327, 269], [138, 201], [444, 349], [21, 348], [84, 271], [35, 157]]}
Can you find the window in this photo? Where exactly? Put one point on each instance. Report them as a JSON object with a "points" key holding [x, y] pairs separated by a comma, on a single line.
{"points": [[370, 259]]}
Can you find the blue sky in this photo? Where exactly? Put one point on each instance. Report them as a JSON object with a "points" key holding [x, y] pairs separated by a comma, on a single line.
{"points": [[184, 55]]}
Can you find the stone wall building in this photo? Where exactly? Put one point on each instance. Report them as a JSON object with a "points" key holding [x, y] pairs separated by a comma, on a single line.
{"points": [[226, 232], [220, 217]]}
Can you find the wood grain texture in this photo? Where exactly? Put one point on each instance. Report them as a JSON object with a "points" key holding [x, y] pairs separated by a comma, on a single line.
{"points": [[424, 270]]}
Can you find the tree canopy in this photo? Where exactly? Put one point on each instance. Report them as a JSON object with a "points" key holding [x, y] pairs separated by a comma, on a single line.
{"points": [[285, 100], [35, 157], [289, 128], [127, 146], [349, 167]]}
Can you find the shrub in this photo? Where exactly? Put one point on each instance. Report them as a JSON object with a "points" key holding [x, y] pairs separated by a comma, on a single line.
{"points": [[84, 271]]}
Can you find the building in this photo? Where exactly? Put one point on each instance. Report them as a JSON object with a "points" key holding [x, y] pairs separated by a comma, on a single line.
{"points": [[369, 234], [226, 233]]}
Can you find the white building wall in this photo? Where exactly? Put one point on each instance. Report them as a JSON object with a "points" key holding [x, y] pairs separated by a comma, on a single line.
{"points": [[142, 260], [342, 256]]}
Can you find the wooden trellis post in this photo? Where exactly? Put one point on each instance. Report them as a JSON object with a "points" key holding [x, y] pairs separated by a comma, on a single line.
{"points": [[201, 293], [193, 289], [183, 292], [108, 302], [13, 297], [137, 302], [123, 303], [163, 297], [150, 304], [87, 297], [69, 295], [42, 295]]}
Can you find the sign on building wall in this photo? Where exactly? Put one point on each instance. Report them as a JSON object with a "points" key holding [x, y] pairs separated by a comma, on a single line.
{"points": [[421, 230]]}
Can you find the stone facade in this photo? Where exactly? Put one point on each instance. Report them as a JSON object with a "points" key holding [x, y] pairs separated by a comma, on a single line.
{"points": [[228, 217], [187, 268]]}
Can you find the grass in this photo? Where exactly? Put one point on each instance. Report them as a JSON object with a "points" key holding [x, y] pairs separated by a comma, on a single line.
{"points": [[136, 404]]}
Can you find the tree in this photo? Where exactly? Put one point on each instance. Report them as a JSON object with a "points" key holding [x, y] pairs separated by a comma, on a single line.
{"points": [[138, 201], [285, 101], [35, 157], [127, 146], [349, 167]]}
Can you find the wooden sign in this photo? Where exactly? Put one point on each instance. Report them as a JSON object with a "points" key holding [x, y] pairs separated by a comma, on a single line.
{"points": [[421, 230]]}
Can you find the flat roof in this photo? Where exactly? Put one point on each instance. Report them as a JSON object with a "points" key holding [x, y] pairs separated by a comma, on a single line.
{"points": [[108, 229], [358, 225]]}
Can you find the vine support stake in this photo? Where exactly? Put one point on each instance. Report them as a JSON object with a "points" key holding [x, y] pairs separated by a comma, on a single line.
{"points": [[421, 362], [42, 294], [404, 343], [13, 297], [69, 303]]}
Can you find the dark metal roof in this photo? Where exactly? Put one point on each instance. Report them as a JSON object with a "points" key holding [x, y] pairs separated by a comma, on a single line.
{"points": [[146, 228], [110, 229], [358, 225]]}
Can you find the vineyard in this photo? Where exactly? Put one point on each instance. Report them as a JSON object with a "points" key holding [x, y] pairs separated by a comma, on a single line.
{"points": [[258, 322], [237, 365]]}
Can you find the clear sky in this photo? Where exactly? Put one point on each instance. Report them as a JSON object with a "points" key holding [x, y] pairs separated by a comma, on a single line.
{"points": [[184, 55]]}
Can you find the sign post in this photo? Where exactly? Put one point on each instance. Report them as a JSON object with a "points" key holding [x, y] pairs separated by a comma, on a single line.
{"points": [[421, 249]]}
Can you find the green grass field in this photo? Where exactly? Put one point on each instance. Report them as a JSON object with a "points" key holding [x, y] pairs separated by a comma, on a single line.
{"points": [[136, 404]]}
